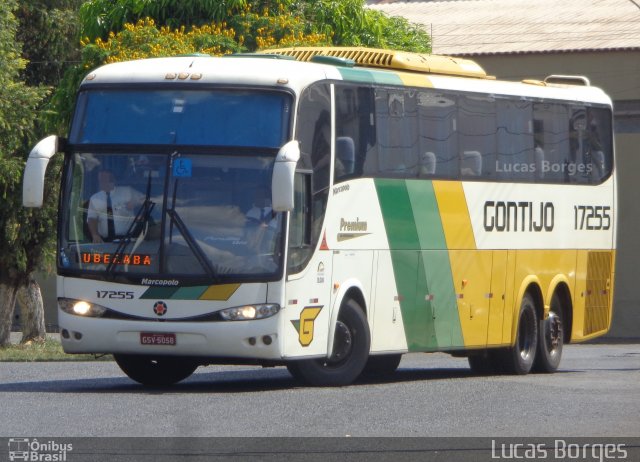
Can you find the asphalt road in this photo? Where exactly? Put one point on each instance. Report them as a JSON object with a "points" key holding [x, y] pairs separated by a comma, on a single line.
{"points": [[596, 393]]}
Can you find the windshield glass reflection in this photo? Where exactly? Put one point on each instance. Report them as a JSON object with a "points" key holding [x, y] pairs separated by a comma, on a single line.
{"points": [[180, 215]]}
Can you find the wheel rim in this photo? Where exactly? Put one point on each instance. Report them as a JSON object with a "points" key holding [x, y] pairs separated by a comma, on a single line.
{"points": [[342, 344], [553, 334], [526, 334]]}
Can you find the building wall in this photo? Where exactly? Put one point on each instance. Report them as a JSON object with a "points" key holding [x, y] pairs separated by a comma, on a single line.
{"points": [[618, 73]]}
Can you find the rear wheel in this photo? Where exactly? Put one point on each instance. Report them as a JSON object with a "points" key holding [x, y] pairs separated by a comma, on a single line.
{"points": [[155, 371], [520, 357], [550, 339], [350, 351], [484, 362]]}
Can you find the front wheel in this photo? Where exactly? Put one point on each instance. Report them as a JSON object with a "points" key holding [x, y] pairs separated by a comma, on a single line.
{"points": [[550, 339], [520, 357], [156, 371], [350, 352], [382, 365]]}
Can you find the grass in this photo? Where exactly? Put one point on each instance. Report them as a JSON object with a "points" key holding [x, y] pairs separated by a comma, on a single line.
{"points": [[49, 350]]}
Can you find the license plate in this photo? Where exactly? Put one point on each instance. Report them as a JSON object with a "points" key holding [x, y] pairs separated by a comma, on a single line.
{"points": [[148, 338]]}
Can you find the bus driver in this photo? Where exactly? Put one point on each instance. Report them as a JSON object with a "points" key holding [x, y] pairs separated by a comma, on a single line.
{"points": [[111, 210]]}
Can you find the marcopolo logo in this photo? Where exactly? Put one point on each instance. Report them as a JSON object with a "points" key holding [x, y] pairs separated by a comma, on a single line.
{"points": [[28, 449]]}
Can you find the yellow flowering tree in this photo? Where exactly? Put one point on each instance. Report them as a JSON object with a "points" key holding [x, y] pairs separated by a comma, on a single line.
{"points": [[149, 28], [247, 31]]}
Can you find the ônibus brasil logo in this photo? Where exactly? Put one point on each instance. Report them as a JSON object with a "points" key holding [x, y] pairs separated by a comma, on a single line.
{"points": [[33, 450]]}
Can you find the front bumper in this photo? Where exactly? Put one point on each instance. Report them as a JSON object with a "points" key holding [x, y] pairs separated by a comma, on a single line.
{"points": [[255, 339]]}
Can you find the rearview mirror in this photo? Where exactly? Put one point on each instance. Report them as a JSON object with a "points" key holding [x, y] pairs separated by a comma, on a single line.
{"points": [[33, 180], [283, 173]]}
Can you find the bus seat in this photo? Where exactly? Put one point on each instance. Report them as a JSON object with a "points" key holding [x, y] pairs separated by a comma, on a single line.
{"points": [[427, 164], [346, 154], [471, 164]]}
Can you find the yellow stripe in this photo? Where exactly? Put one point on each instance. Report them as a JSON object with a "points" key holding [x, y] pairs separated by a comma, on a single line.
{"points": [[415, 80], [455, 215], [219, 292]]}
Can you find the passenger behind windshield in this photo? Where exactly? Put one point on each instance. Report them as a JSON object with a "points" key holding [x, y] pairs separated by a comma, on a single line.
{"points": [[112, 209], [262, 223]]}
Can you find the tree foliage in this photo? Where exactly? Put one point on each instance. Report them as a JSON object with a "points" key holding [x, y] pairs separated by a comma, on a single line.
{"points": [[345, 22], [49, 32], [24, 233], [117, 30]]}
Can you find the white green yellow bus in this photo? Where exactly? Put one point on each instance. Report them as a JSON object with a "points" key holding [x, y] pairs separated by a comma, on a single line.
{"points": [[330, 209]]}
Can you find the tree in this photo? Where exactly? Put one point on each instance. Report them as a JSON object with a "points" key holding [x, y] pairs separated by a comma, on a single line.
{"points": [[345, 22], [45, 29], [23, 233], [116, 30]]}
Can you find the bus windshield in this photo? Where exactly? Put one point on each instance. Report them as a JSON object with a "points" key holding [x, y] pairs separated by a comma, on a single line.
{"points": [[170, 215], [207, 117]]}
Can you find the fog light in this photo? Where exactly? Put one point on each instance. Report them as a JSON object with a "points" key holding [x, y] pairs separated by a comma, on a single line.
{"points": [[65, 334], [267, 340]]}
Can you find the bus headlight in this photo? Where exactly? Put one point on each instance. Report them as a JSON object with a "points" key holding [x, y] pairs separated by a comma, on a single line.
{"points": [[248, 312], [81, 308]]}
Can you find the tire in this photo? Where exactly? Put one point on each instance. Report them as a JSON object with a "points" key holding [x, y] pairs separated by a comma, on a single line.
{"points": [[550, 339], [155, 371], [484, 362], [381, 365], [519, 358], [351, 345], [294, 370]]}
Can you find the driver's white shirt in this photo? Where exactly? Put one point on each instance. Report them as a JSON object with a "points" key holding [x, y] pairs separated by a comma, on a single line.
{"points": [[121, 196]]}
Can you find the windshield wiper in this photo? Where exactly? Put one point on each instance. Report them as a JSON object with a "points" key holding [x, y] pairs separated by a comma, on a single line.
{"points": [[191, 242], [137, 227]]}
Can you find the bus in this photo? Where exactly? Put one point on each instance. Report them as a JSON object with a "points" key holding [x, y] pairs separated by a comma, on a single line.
{"points": [[329, 210]]}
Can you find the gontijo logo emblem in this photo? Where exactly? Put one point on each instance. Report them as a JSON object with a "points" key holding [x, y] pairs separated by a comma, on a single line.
{"points": [[305, 324]]}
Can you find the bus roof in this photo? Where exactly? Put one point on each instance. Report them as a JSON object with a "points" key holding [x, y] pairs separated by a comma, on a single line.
{"points": [[272, 69]]}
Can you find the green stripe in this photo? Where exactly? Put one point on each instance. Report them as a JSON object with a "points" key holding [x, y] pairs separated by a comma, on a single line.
{"points": [[369, 76], [426, 215], [159, 292], [176, 293], [397, 213], [421, 263], [190, 293]]}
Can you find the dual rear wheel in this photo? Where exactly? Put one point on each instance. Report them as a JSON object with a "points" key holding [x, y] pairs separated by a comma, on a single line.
{"points": [[538, 344]]}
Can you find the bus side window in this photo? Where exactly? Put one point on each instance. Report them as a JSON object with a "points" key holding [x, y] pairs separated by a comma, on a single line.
{"points": [[300, 221], [599, 143], [437, 137], [477, 126], [355, 144], [314, 134]]}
